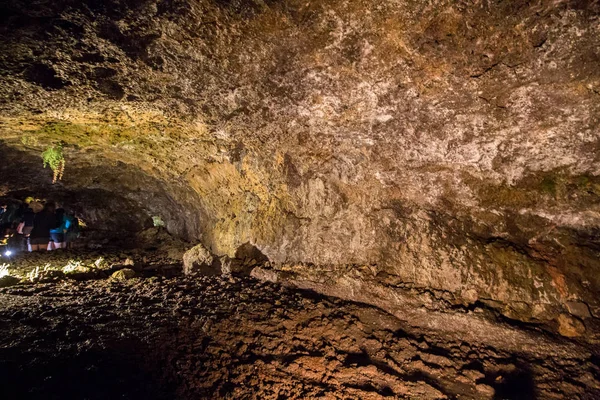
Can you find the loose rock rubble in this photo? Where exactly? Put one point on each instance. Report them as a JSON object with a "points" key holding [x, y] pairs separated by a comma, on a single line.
{"points": [[215, 337], [83, 264]]}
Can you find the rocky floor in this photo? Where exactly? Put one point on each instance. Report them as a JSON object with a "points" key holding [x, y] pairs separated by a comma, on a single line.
{"points": [[176, 337]]}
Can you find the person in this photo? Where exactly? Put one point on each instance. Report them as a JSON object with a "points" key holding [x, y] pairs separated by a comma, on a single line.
{"points": [[42, 223], [57, 234], [4, 219], [11, 217], [25, 227], [27, 221], [73, 230], [35, 205]]}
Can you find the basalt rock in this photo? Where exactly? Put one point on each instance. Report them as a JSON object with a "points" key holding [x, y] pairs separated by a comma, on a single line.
{"points": [[445, 146], [123, 274], [199, 259], [8, 280], [211, 338], [570, 326]]}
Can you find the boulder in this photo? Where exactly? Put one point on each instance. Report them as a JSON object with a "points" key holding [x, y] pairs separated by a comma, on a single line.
{"points": [[123, 274], [199, 260]]}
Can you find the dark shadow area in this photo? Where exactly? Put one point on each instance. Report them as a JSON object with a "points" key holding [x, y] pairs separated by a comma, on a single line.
{"points": [[515, 385], [250, 252], [116, 372]]}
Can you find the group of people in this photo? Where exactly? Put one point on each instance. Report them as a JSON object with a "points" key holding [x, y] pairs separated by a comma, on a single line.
{"points": [[50, 228]]}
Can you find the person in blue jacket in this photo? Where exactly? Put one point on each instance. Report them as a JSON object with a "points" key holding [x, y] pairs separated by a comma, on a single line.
{"points": [[57, 234]]}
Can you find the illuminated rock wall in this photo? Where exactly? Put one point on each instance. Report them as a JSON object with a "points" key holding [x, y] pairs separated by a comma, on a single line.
{"points": [[446, 145]]}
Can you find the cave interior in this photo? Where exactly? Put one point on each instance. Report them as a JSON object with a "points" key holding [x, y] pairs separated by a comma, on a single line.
{"points": [[336, 199]]}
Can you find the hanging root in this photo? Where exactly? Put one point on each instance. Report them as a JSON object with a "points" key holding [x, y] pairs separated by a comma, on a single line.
{"points": [[58, 171]]}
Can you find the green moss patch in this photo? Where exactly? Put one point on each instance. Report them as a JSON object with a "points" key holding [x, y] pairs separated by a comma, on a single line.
{"points": [[551, 188]]}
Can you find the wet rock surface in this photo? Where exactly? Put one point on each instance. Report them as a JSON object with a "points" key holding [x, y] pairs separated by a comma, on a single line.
{"points": [[199, 337]]}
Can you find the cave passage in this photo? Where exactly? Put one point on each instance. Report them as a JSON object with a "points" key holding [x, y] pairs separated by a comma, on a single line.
{"points": [[300, 199], [111, 197]]}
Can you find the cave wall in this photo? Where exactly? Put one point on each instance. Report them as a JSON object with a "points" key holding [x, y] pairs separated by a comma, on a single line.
{"points": [[451, 145]]}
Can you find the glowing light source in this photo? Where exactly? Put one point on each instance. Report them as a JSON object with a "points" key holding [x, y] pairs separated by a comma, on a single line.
{"points": [[7, 253]]}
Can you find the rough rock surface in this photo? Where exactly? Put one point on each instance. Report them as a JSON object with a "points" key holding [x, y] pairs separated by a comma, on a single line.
{"points": [[81, 264], [230, 338], [123, 274], [450, 146], [199, 259], [8, 280]]}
